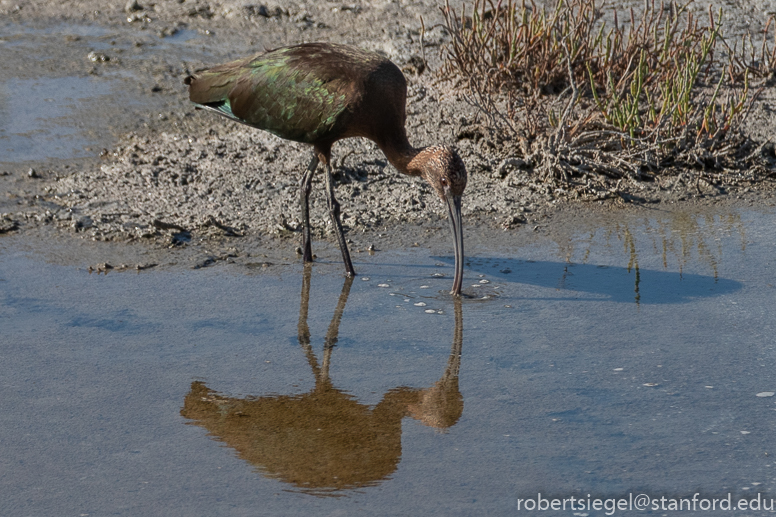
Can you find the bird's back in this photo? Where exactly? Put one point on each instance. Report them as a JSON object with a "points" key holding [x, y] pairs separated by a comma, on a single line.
{"points": [[314, 93]]}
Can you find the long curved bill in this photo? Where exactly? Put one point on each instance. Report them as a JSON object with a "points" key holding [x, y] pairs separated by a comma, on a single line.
{"points": [[456, 224]]}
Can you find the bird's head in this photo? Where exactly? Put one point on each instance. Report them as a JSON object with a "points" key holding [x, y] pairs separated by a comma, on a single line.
{"points": [[444, 170]]}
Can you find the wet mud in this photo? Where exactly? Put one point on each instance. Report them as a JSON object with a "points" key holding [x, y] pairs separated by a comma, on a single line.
{"points": [[107, 147]]}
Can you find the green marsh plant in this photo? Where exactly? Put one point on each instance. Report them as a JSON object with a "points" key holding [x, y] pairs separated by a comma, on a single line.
{"points": [[662, 89]]}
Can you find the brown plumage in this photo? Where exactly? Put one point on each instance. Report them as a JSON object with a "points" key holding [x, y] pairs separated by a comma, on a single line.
{"points": [[318, 93]]}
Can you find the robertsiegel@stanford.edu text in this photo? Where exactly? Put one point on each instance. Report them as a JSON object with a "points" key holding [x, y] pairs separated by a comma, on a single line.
{"points": [[643, 502]]}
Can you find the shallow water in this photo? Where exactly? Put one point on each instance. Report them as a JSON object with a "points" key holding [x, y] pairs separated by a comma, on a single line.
{"points": [[634, 355], [56, 104], [44, 125]]}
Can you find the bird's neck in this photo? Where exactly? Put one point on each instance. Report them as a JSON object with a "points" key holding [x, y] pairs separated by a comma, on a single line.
{"points": [[403, 156]]}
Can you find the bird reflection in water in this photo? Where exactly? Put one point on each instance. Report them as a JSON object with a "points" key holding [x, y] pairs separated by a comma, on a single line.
{"points": [[326, 441]]}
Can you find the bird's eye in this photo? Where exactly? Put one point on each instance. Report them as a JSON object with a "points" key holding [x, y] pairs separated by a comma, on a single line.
{"points": [[444, 182]]}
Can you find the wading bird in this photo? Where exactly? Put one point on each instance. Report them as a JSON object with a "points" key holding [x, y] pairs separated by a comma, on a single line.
{"points": [[318, 93]]}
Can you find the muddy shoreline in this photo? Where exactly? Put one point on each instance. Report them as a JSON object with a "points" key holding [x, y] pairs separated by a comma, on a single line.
{"points": [[161, 176]]}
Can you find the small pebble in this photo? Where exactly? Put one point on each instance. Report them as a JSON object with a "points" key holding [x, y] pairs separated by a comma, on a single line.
{"points": [[430, 311], [484, 281], [765, 394], [424, 287], [365, 279], [420, 304], [97, 57], [438, 275], [383, 285]]}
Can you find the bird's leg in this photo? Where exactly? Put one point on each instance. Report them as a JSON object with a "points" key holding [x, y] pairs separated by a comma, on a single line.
{"points": [[331, 335], [304, 195], [334, 212], [303, 330]]}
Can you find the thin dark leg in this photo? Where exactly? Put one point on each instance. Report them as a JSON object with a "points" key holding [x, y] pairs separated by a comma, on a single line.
{"points": [[303, 330], [333, 332], [304, 195], [334, 212]]}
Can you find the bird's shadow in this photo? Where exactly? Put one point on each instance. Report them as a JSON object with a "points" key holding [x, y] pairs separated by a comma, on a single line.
{"points": [[596, 282]]}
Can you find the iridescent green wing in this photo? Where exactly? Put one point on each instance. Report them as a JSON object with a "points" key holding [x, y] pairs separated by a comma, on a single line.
{"points": [[299, 93]]}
